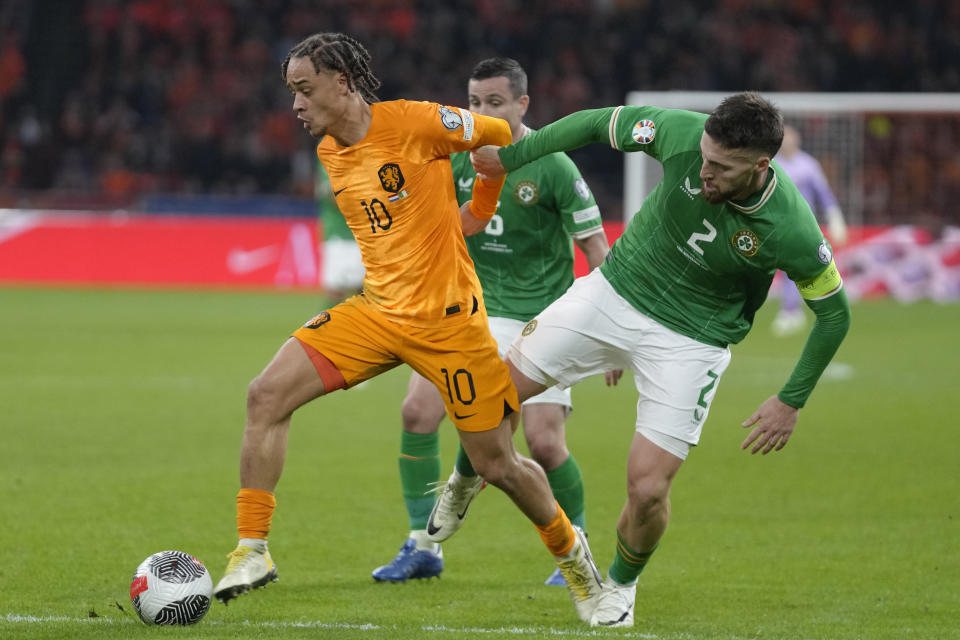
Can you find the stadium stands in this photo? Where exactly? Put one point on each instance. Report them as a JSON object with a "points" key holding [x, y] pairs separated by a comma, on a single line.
{"points": [[126, 99]]}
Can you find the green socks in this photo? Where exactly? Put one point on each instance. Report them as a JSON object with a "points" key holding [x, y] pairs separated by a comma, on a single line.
{"points": [[628, 564], [419, 467], [463, 465], [566, 483]]}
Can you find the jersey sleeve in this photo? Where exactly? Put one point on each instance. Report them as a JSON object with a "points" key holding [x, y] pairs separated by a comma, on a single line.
{"points": [[657, 132], [440, 130], [829, 330], [808, 261], [807, 258], [575, 203], [570, 132], [660, 133]]}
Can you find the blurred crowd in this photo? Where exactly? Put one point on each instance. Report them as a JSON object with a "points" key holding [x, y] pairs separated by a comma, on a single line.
{"points": [[125, 98]]}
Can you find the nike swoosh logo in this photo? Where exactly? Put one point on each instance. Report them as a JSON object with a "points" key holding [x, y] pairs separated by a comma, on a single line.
{"points": [[460, 417], [241, 261], [620, 619], [13, 223], [432, 528], [336, 193]]}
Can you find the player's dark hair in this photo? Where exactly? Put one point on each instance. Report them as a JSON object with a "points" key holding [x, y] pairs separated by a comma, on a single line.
{"points": [[746, 121], [337, 52], [502, 67]]}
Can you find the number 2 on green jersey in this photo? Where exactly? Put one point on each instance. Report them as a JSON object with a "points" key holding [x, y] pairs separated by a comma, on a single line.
{"points": [[705, 237]]}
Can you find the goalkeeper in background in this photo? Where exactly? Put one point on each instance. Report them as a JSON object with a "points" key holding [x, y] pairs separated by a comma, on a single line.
{"points": [[807, 174], [341, 265]]}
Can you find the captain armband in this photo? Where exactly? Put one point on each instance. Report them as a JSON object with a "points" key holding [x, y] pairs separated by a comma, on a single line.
{"points": [[823, 285]]}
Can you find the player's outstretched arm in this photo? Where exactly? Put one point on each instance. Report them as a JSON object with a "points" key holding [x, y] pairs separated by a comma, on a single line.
{"points": [[570, 132]]}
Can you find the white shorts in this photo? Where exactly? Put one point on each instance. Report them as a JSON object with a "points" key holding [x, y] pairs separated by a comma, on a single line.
{"points": [[504, 331], [342, 265], [591, 329]]}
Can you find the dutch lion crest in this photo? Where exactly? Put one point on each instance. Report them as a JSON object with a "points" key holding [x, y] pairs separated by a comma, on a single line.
{"points": [[391, 178]]}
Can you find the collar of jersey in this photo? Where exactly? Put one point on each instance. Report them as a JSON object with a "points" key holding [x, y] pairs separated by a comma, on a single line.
{"points": [[752, 204]]}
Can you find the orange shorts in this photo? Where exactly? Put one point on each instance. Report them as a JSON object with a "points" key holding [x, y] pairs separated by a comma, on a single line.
{"points": [[458, 355]]}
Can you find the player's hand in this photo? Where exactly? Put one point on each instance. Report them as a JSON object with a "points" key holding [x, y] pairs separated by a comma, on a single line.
{"points": [[486, 162], [772, 425], [838, 232], [471, 224], [613, 377], [836, 227]]}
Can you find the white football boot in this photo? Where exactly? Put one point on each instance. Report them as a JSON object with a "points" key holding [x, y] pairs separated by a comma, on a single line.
{"points": [[247, 569], [615, 608], [451, 506], [582, 576]]}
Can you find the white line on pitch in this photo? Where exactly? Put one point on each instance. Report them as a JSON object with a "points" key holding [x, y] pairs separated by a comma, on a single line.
{"points": [[369, 626], [316, 624]]}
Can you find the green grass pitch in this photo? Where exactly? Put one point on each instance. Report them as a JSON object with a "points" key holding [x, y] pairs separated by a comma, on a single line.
{"points": [[122, 412]]}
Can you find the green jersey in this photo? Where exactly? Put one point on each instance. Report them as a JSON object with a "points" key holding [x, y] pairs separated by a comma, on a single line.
{"points": [[524, 257], [700, 269], [704, 269], [333, 222]]}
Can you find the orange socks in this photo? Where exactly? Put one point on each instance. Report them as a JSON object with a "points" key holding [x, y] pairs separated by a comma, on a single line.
{"points": [[254, 513], [558, 535]]}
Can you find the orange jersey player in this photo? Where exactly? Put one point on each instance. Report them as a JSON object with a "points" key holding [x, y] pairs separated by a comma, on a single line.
{"points": [[395, 188], [390, 172]]}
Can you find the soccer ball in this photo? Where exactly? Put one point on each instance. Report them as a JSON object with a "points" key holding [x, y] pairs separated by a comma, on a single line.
{"points": [[171, 587]]}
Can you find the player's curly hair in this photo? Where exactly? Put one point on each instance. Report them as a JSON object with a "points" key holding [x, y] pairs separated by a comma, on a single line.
{"points": [[746, 121], [502, 67], [337, 52]]}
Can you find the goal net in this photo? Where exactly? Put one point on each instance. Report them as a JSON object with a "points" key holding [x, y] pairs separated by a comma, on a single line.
{"points": [[891, 158]]}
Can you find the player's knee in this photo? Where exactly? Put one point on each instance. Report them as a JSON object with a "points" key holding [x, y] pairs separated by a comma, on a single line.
{"points": [[419, 416], [647, 495], [543, 429], [262, 398], [548, 449]]}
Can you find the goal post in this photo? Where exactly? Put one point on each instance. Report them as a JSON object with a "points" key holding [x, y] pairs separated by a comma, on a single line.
{"points": [[889, 157]]}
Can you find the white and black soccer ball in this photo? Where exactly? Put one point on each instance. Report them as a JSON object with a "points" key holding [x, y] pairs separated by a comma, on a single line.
{"points": [[171, 587]]}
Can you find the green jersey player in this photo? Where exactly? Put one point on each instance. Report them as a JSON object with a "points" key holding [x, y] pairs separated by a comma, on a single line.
{"points": [[524, 259], [682, 283]]}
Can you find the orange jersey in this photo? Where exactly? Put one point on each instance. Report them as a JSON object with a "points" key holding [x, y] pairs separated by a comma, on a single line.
{"points": [[395, 189]]}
